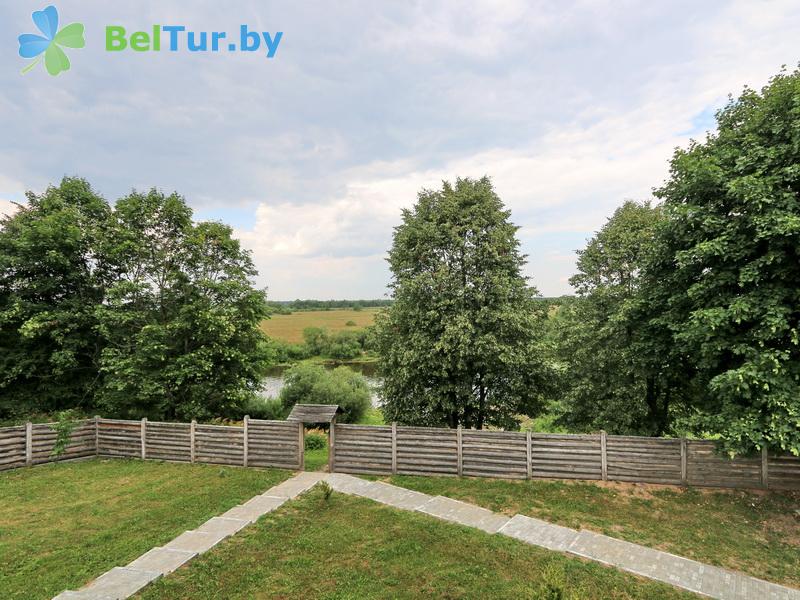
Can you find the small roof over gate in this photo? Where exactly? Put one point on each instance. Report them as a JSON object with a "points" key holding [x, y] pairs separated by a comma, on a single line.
{"points": [[314, 413]]}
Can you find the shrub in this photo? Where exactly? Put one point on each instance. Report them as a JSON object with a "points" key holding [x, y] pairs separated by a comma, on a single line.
{"points": [[316, 440], [270, 409], [313, 384], [350, 324]]}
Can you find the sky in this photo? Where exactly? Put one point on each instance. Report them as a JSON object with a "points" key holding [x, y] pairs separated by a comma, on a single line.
{"points": [[571, 107]]}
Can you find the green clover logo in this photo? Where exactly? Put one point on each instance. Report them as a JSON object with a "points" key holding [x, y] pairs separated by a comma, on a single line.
{"points": [[32, 45]]}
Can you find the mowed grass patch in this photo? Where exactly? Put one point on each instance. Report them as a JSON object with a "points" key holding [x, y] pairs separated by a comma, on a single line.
{"points": [[350, 547], [752, 532], [290, 327], [62, 525]]}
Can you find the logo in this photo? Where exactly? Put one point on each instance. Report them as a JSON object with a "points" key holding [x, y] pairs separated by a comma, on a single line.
{"points": [[50, 42]]}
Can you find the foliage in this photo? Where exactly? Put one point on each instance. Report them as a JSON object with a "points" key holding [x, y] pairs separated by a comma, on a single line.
{"points": [[315, 440], [335, 304], [314, 384], [268, 409], [461, 344], [52, 275], [64, 426], [136, 310], [341, 345], [722, 292], [604, 384], [326, 490]]}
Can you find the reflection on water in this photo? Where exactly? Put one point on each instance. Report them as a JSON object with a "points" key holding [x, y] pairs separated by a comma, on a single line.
{"points": [[273, 382]]}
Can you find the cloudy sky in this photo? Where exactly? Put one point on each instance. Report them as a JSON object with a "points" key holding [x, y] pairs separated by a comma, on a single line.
{"points": [[570, 106]]}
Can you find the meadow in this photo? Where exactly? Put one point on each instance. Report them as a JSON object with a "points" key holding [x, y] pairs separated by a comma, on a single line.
{"points": [[289, 328]]}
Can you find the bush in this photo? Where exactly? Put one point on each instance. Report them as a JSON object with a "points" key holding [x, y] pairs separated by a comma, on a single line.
{"points": [[350, 324], [313, 384], [270, 409], [316, 440], [285, 352]]}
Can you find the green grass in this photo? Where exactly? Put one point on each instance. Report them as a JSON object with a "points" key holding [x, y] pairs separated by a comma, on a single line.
{"points": [[290, 327], [373, 416], [354, 548], [756, 533], [62, 525], [316, 460]]}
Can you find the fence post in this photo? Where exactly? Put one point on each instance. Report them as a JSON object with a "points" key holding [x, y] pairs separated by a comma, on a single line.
{"points": [[245, 440], [97, 435], [394, 448], [684, 462], [528, 440], [29, 443], [603, 455], [144, 438], [301, 439], [460, 446], [764, 467], [192, 427], [331, 445]]}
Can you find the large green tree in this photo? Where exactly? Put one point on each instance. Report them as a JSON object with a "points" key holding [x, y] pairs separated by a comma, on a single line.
{"points": [[51, 279], [181, 317], [723, 288], [460, 343], [136, 310], [606, 385]]}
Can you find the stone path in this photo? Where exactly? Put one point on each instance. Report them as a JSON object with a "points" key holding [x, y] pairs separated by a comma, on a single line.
{"points": [[122, 582]]}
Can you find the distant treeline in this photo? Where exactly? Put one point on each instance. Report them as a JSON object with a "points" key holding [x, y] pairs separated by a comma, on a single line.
{"points": [[287, 306]]}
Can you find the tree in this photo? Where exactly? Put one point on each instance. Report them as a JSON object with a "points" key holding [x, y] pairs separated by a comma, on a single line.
{"points": [[460, 343], [181, 317], [314, 384], [606, 385], [51, 278], [723, 287]]}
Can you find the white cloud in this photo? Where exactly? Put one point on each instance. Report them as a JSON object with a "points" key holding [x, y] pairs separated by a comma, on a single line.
{"points": [[7, 208], [571, 107]]}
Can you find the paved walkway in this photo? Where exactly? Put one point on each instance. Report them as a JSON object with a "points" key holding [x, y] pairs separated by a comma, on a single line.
{"points": [[122, 582]]}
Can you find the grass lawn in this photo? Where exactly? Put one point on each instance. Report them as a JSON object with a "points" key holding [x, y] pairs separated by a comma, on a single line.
{"points": [[290, 327], [62, 525], [354, 548], [316, 460], [753, 532]]}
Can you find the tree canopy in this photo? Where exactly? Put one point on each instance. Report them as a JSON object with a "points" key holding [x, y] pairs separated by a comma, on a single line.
{"points": [[722, 291], [134, 310], [605, 384], [460, 343]]}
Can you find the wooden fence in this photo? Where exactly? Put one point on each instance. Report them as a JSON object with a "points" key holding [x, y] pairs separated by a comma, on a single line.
{"points": [[256, 444], [383, 450]]}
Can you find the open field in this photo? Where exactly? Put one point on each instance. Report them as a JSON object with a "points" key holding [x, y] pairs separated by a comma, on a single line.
{"points": [[62, 525], [757, 533], [290, 327], [350, 547]]}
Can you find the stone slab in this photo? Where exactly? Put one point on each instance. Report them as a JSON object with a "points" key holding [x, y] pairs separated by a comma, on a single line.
{"points": [[539, 533], [118, 583], [252, 512], [223, 526], [291, 488], [195, 541], [396, 496], [464, 514], [347, 484], [161, 560], [265, 503]]}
